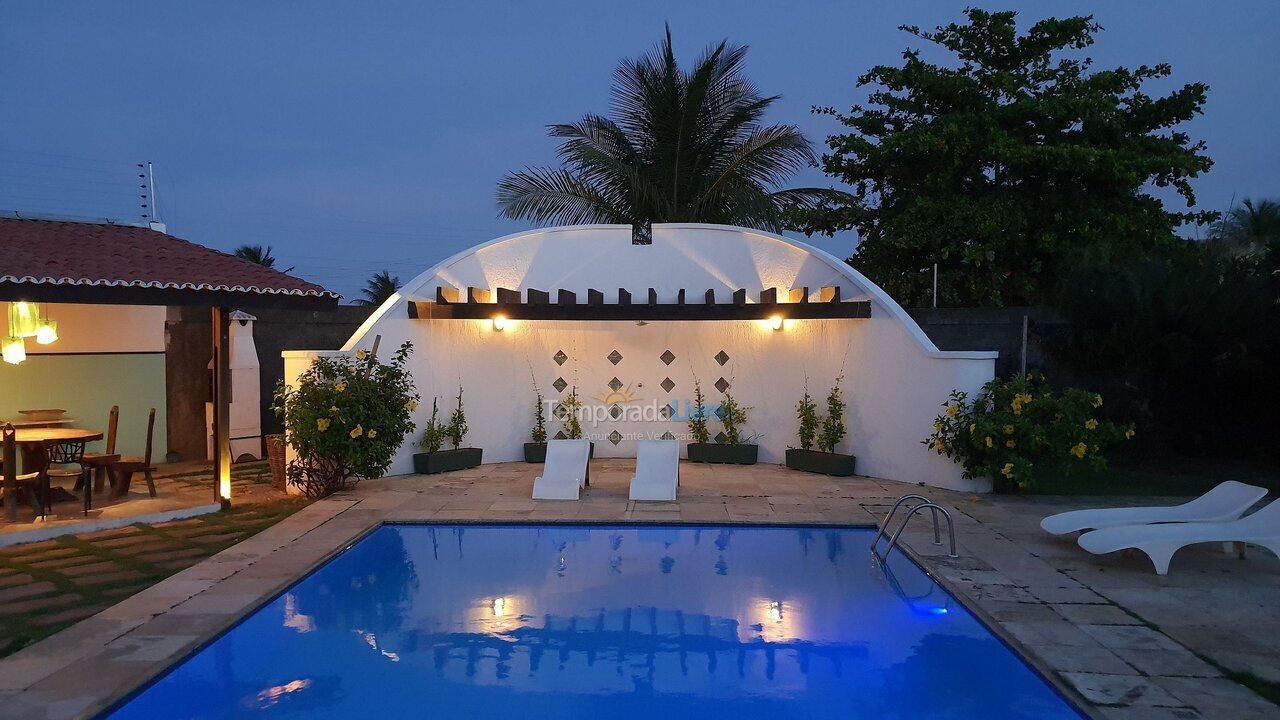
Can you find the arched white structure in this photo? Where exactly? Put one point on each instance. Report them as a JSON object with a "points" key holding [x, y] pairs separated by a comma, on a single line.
{"points": [[895, 377]]}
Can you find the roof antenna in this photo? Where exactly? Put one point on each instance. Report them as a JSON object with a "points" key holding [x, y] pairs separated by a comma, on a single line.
{"points": [[155, 223]]}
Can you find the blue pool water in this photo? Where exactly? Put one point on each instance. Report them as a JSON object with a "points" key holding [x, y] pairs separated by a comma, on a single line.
{"points": [[662, 623]]}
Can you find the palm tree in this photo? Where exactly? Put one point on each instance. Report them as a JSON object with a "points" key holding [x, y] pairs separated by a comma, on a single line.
{"points": [[1251, 228], [378, 288], [256, 254], [680, 147]]}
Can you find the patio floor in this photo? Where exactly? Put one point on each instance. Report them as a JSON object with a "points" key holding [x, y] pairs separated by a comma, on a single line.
{"points": [[1108, 630]]}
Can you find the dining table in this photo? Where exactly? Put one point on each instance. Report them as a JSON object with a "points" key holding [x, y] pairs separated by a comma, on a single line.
{"points": [[33, 443]]}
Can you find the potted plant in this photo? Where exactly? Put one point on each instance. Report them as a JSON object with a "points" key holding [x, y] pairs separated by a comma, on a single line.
{"points": [[435, 460], [826, 432], [733, 416], [570, 413], [536, 451], [346, 417]]}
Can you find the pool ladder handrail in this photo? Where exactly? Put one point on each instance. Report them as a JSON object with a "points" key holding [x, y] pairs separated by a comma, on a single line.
{"points": [[925, 504]]}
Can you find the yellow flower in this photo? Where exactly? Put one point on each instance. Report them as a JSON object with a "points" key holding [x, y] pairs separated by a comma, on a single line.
{"points": [[322, 424], [989, 443], [1128, 433], [411, 406], [1079, 450], [937, 427], [357, 432], [1008, 470], [1097, 401], [1008, 429], [340, 387], [373, 434], [973, 427], [361, 354], [1091, 424], [952, 410], [1009, 443]]}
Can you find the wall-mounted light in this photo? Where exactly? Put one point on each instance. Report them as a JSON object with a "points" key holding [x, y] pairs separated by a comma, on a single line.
{"points": [[776, 322], [14, 350], [499, 322], [499, 606], [24, 319]]}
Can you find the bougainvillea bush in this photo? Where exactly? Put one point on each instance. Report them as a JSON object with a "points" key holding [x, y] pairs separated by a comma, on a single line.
{"points": [[1017, 431], [346, 418]]}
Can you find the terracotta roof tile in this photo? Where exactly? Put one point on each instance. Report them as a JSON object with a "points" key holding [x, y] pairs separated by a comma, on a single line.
{"points": [[82, 253]]}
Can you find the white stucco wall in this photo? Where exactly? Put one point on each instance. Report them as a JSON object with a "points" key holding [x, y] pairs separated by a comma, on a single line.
{"points": [[895, 378]]}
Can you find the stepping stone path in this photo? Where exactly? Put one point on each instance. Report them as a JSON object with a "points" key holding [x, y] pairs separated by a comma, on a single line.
{"points": [[49, 585]]}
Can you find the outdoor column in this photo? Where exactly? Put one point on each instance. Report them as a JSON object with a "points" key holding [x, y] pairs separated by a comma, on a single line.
{"points": [[221, 406]]}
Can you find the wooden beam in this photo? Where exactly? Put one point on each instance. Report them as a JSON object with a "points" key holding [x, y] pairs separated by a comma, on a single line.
{"points": [[221, 318], [624, 296], [769, 296], [566, 297], [653, 296], [798, 295], [711, 297], [446, 295], [658, 312], [539, 297], [594, 297], [680, 297], [477, 295], [740, 296], [829, 294], [508, 297]]}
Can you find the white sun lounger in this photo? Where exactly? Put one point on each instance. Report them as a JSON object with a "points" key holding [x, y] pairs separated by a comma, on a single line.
{"points": [[1227, 501], [565, 472], [657, 470], [1160, 542]]}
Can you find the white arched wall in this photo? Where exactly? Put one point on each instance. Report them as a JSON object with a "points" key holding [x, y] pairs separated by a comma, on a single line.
{"points": [[895, 378]]}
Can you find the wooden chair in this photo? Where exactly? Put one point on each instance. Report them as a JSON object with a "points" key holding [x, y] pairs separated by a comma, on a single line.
{"points": [[61, 456], [98, 463], [122, 470], [9, 470]]}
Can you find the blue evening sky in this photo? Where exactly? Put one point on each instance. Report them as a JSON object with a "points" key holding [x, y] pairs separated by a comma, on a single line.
{"points": [[355, 137]]}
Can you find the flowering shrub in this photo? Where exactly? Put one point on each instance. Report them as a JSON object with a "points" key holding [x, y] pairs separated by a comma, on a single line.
{"points": [[346, 418], [1017, 430]]}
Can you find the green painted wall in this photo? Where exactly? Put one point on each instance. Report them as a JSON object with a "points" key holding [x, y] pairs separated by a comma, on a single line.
{"points": [[86, 386]]}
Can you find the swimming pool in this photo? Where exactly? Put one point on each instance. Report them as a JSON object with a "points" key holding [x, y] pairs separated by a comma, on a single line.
{"points": [[593, 621]]}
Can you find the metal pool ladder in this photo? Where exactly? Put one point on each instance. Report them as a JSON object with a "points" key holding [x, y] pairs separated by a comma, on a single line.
{"points": [[925, 504]]}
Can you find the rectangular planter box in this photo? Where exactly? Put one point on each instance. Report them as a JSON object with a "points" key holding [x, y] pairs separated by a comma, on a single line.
{"points": [[727, 454], [537, 452], [823, 463], [446, 460]]}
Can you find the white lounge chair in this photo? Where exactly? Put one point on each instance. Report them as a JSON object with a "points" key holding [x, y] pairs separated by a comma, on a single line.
{"points": [[1227, 501], [565, 472], [657, 470], [1160, 542]]}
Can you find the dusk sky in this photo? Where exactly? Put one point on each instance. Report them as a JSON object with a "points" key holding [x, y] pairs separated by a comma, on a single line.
{"points": [[356, 137]]}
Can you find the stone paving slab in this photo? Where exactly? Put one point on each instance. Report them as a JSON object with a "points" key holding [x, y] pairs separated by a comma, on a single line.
{"points": [[1120, 640]]}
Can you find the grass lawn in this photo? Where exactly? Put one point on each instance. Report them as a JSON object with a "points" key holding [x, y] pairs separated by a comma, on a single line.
{"points": [[46, 586], [1188, 478]]}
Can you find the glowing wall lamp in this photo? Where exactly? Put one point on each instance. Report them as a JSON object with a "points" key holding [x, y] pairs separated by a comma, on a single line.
{"points": [[499, 322], [776, 322], [24, 319]]}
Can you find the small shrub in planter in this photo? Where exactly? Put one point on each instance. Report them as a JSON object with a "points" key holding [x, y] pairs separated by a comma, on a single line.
{"points": [[1018, 430], [733, 416], [536, 451], [345, 419], [827, 432], [435, 460], [571, 412]]}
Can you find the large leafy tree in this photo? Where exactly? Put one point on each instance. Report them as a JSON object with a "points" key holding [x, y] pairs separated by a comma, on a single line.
{"points": [[1250, 230], [1009, 164], [681, 146], [377, 289]]}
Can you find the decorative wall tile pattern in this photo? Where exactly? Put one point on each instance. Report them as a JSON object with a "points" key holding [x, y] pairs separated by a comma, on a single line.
{"points": [[559, 384], [615, 357], [722, 357], [667, 384], [667, 357], [615, 437], [615, 384], [560, 357], [722, 384]]}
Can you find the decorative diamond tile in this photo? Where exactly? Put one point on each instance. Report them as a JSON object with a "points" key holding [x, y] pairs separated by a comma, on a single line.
{"points": [[615, 411], [667, 357], [722, 384], [559, 357], [559, 384], [557, 411], [667, 384], [615, 357], [666, 412], [721, 437], [615, 384], [667, 436], [722, 357], [615, 437]]}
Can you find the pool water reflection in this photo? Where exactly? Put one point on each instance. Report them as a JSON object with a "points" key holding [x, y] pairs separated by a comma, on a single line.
{"points": [[606, 622]]}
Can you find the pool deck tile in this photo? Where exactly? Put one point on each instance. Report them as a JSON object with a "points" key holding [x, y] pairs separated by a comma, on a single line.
{"points": [[1106, 629]]}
